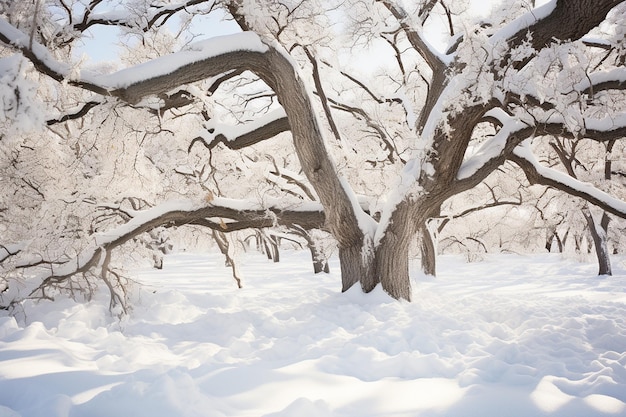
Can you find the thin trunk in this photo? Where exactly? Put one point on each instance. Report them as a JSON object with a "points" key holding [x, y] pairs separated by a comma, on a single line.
{"points": [[599, 236], [275, 244], [320, 262], [228, 250], [428, 251], [428, 243]]}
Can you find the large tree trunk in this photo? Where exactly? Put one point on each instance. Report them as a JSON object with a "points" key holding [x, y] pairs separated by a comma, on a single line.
{"points": [[356, 267], [387, 265], [392, 252], [392, 266]]}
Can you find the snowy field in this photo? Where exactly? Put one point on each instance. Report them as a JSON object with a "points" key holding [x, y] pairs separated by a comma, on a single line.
{"points": [[510, 336]]}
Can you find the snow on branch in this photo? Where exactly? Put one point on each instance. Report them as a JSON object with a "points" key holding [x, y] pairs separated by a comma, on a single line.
{"points": [[614, 79], [201, 60], [494, 148], [43, 60], [243, 135], [513, 131], [520, 26], [178, 213], [554, 21], [539, 174], [197, 53]]}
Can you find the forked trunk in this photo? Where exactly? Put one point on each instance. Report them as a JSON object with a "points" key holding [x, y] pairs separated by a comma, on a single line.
{"points": [[388, 265]]}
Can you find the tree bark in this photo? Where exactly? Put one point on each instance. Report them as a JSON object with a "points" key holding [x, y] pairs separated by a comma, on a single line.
{"points": [[354, 268], [392, 252], [428, 251], [392, 266], [599, 236]]}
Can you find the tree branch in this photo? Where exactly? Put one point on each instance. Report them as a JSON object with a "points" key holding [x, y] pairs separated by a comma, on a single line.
{"points": [[244, 135], [77, 115], [538, 174], [568, 20], [413, 36]]}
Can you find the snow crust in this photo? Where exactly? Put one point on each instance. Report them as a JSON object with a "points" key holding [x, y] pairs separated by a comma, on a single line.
{"points": [[513, 335]]}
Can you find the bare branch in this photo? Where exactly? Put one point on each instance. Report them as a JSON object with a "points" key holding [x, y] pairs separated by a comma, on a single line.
{"points": [[77, 115], [320, 91], [414, 37]]}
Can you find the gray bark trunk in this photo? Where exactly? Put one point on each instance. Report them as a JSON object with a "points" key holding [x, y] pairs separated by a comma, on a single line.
{"points": [[392, 266], [354, 268], [599, 236], [428, 252]]}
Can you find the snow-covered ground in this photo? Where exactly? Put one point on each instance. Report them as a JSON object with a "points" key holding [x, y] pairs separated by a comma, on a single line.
{"points": [[510, 336]]}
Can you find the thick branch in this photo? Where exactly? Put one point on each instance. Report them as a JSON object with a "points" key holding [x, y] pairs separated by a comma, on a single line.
{"points": [[176, 214], [243, 136], [569, 20], [538, 174]]}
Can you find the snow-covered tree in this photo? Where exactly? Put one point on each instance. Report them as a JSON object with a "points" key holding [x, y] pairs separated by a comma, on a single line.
{"points": [[389, 109]]}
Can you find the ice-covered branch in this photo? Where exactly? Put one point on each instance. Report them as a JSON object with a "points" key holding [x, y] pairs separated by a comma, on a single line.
{"points": [[539, 174]]}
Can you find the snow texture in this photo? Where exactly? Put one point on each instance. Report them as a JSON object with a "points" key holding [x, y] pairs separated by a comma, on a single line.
{"points": [[513, 335]]}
